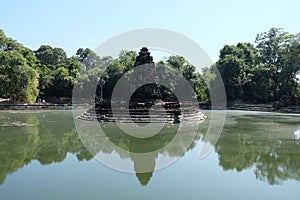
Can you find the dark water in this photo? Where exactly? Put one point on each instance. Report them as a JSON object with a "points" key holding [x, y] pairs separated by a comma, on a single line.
{"points": [[256, 157]]}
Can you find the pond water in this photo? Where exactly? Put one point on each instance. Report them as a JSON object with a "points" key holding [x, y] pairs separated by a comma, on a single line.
{"points": [[256, 157]]}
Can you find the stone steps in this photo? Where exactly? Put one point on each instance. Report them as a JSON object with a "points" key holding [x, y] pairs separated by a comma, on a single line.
{"points": [[140, 118]]}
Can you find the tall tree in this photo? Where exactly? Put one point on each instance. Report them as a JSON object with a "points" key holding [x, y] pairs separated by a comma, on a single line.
{"points": [[18, 78], [55, 71], [52, 57], [18, 81], [91, 70], [238, 67], [230, 67], [269, 46], [117, 68], [290, 65]]}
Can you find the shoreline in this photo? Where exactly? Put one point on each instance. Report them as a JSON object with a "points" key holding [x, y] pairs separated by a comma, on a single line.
{"points": [[47, 106], [265, 108], [246, 107]]}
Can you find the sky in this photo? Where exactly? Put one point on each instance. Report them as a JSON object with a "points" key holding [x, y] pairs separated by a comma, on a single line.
{"points": [[211, 23]]}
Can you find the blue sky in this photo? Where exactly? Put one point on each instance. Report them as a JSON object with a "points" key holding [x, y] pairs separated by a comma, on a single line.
{"points": [[211, 23]]}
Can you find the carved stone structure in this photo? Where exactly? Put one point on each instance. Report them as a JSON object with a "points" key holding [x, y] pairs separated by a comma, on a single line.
{"points": [[142, 100], [143, 57], [148, 91]]}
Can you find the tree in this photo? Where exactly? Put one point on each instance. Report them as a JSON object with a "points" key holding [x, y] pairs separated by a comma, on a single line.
{"points": [[290, 65], [188, 71], [264, 73], [57, 71], [177, 62], [91, 70], [269, 46], [116, 69], [88, 58], [19, 81], [260, 74], [237, 66], [18, 78], [51, 57], [278, 53], [230, 67]]}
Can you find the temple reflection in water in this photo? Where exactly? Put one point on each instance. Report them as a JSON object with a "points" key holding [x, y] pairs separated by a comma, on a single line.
{"points": [[246, 142]]}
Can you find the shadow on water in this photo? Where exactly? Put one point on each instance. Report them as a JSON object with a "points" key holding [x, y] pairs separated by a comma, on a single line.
{"points": [[264, 142]]}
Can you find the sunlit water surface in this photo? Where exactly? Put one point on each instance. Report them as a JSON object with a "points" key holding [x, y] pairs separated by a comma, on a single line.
{"points": [[256, 157]]}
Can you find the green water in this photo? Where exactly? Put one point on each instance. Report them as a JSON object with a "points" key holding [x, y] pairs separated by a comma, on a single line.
{"points": [[256, 157]]}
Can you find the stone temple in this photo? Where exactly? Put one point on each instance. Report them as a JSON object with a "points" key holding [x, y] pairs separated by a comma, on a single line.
{"points": [[149, 102]]}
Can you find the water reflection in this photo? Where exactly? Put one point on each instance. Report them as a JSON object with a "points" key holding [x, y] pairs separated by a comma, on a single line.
{"points": [[264, 142], [139, 155], [297, 134], [49, 136], [46, 137]]}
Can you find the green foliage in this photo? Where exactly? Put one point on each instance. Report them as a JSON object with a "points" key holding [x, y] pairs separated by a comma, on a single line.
{"points": [[57, 72], [250, 142], [263, 73], [18, 77], [189, 72], [52, 57], [90, 69], [176, 62], [260, 74], [116, 68], [88, 58], [290, 66], [46, 137], [235, 66]]}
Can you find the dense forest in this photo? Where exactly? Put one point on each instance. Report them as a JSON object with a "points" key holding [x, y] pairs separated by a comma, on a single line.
{"points": [[263, 72]]}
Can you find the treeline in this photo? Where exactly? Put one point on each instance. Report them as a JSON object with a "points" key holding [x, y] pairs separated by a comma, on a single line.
{"points": [[27, 75], [262, 72], [48, 73]]}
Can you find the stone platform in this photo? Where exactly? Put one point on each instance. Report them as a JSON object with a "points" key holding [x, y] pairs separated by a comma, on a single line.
{"points": [[149, 102], [158, 112]]}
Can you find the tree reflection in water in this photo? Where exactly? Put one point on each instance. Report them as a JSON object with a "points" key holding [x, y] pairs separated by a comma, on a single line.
{"points": [[144, 153], [43, 136], [264, 142]]}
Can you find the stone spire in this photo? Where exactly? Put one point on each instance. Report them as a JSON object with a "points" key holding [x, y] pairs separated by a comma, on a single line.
{"points": [[143, 57]]}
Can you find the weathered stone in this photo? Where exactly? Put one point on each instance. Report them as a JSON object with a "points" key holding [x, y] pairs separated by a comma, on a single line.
{"points": [[141, 102]]}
